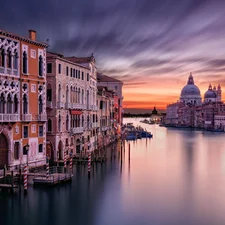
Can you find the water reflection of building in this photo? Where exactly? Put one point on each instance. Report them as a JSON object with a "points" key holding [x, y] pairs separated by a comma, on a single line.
{"points": [[190, 111]]}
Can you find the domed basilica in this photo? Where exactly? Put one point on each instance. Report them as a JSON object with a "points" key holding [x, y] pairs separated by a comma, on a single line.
{"points": [[190, 93]]}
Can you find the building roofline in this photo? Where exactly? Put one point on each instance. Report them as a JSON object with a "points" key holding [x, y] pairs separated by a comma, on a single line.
{"points": [[20, 38], [110, 79], [61, 57]]}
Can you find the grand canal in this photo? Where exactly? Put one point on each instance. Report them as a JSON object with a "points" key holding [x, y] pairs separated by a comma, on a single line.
{"points": [[176, 178]]}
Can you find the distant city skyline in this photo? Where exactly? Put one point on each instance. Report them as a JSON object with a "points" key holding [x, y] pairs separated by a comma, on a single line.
{"points": [[152, 46]]}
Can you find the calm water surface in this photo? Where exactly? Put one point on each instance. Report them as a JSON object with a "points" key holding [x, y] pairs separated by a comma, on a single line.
{"points": [[178, 177]]}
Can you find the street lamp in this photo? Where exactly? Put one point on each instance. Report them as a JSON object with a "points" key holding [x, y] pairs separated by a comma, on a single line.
{"points": [[27, 146]]}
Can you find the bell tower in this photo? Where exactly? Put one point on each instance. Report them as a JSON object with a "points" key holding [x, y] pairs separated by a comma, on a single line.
{"points": [[219, 94]]}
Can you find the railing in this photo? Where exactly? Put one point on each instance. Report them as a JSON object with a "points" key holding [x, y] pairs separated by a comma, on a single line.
{"points": [[26, 117], [68, 105], [95, 108], [15, 72], [49, 104], [8, 71], [77, 130], [2, 69], [95, 125], [9, 117], [104, 128], [77, 106], [42, 117], [60, 105]]}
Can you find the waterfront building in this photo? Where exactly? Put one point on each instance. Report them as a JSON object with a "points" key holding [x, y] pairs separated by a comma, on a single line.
{"points": [[22, 100], [116, 86], [172, 112], [107, 131], [71, 105]]}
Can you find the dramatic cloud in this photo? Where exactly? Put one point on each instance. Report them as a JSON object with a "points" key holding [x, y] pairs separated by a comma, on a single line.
{"points": [[152, 46]]}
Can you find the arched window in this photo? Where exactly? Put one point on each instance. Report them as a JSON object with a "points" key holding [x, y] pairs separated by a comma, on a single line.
{"points": [[87, 98], [25, 62], [67, 94], [79, 96], [82, 121], [59, 123], [9, 104], [15, 102], [40, 104], [25, 104], [2, 55], [88, 122], [71, 94], [2, 103], [59, 93], [15, 60], [49, 92], [40, 66], [82, 97], [9, 59], [49, 125], [67, 122]]}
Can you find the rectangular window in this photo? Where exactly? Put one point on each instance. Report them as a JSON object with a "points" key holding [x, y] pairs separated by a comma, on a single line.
{"points": [[74, 71], [67, 71], [82, 76], [41, 131], [40, 148], [25, 131], [49, 68], [59, 68], [87, 76], [71, 72], [16, 150], [79, 74]]}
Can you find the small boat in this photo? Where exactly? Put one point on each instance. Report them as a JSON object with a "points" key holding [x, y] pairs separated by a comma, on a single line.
{"points": [[131, 136], [146, 134], [139, 136]]}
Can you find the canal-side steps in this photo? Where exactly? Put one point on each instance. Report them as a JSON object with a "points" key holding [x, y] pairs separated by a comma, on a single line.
{"points": [[56, 175]]}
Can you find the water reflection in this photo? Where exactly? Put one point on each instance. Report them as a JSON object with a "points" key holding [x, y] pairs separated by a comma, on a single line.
{"points": [[178, 177]]}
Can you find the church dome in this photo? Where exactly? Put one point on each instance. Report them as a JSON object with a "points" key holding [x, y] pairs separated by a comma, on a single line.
{"points": [[190, 92], [210, 93]]}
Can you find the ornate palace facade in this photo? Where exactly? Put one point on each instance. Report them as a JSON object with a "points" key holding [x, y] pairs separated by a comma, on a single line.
{"points": [[22, 100]]}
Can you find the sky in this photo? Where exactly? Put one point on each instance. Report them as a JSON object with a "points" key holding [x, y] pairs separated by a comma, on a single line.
{"points": [[151, 45]]}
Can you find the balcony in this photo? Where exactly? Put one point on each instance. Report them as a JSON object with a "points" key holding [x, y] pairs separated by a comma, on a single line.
{"points": [[95, 125], [2, 70], [77, 130], [42, 117], [89, 107], [9, 117], [26, 117], [60, 105], [69, 105], [8, 71], [77, 106], [95, 108], [49, 104], [104, 128]]}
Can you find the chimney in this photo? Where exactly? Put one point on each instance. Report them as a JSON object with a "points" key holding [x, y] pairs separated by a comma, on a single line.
{"points": [[32, 35]]}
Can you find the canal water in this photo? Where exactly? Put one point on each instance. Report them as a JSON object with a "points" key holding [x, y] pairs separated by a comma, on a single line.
{"points": [[176, 178]]}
